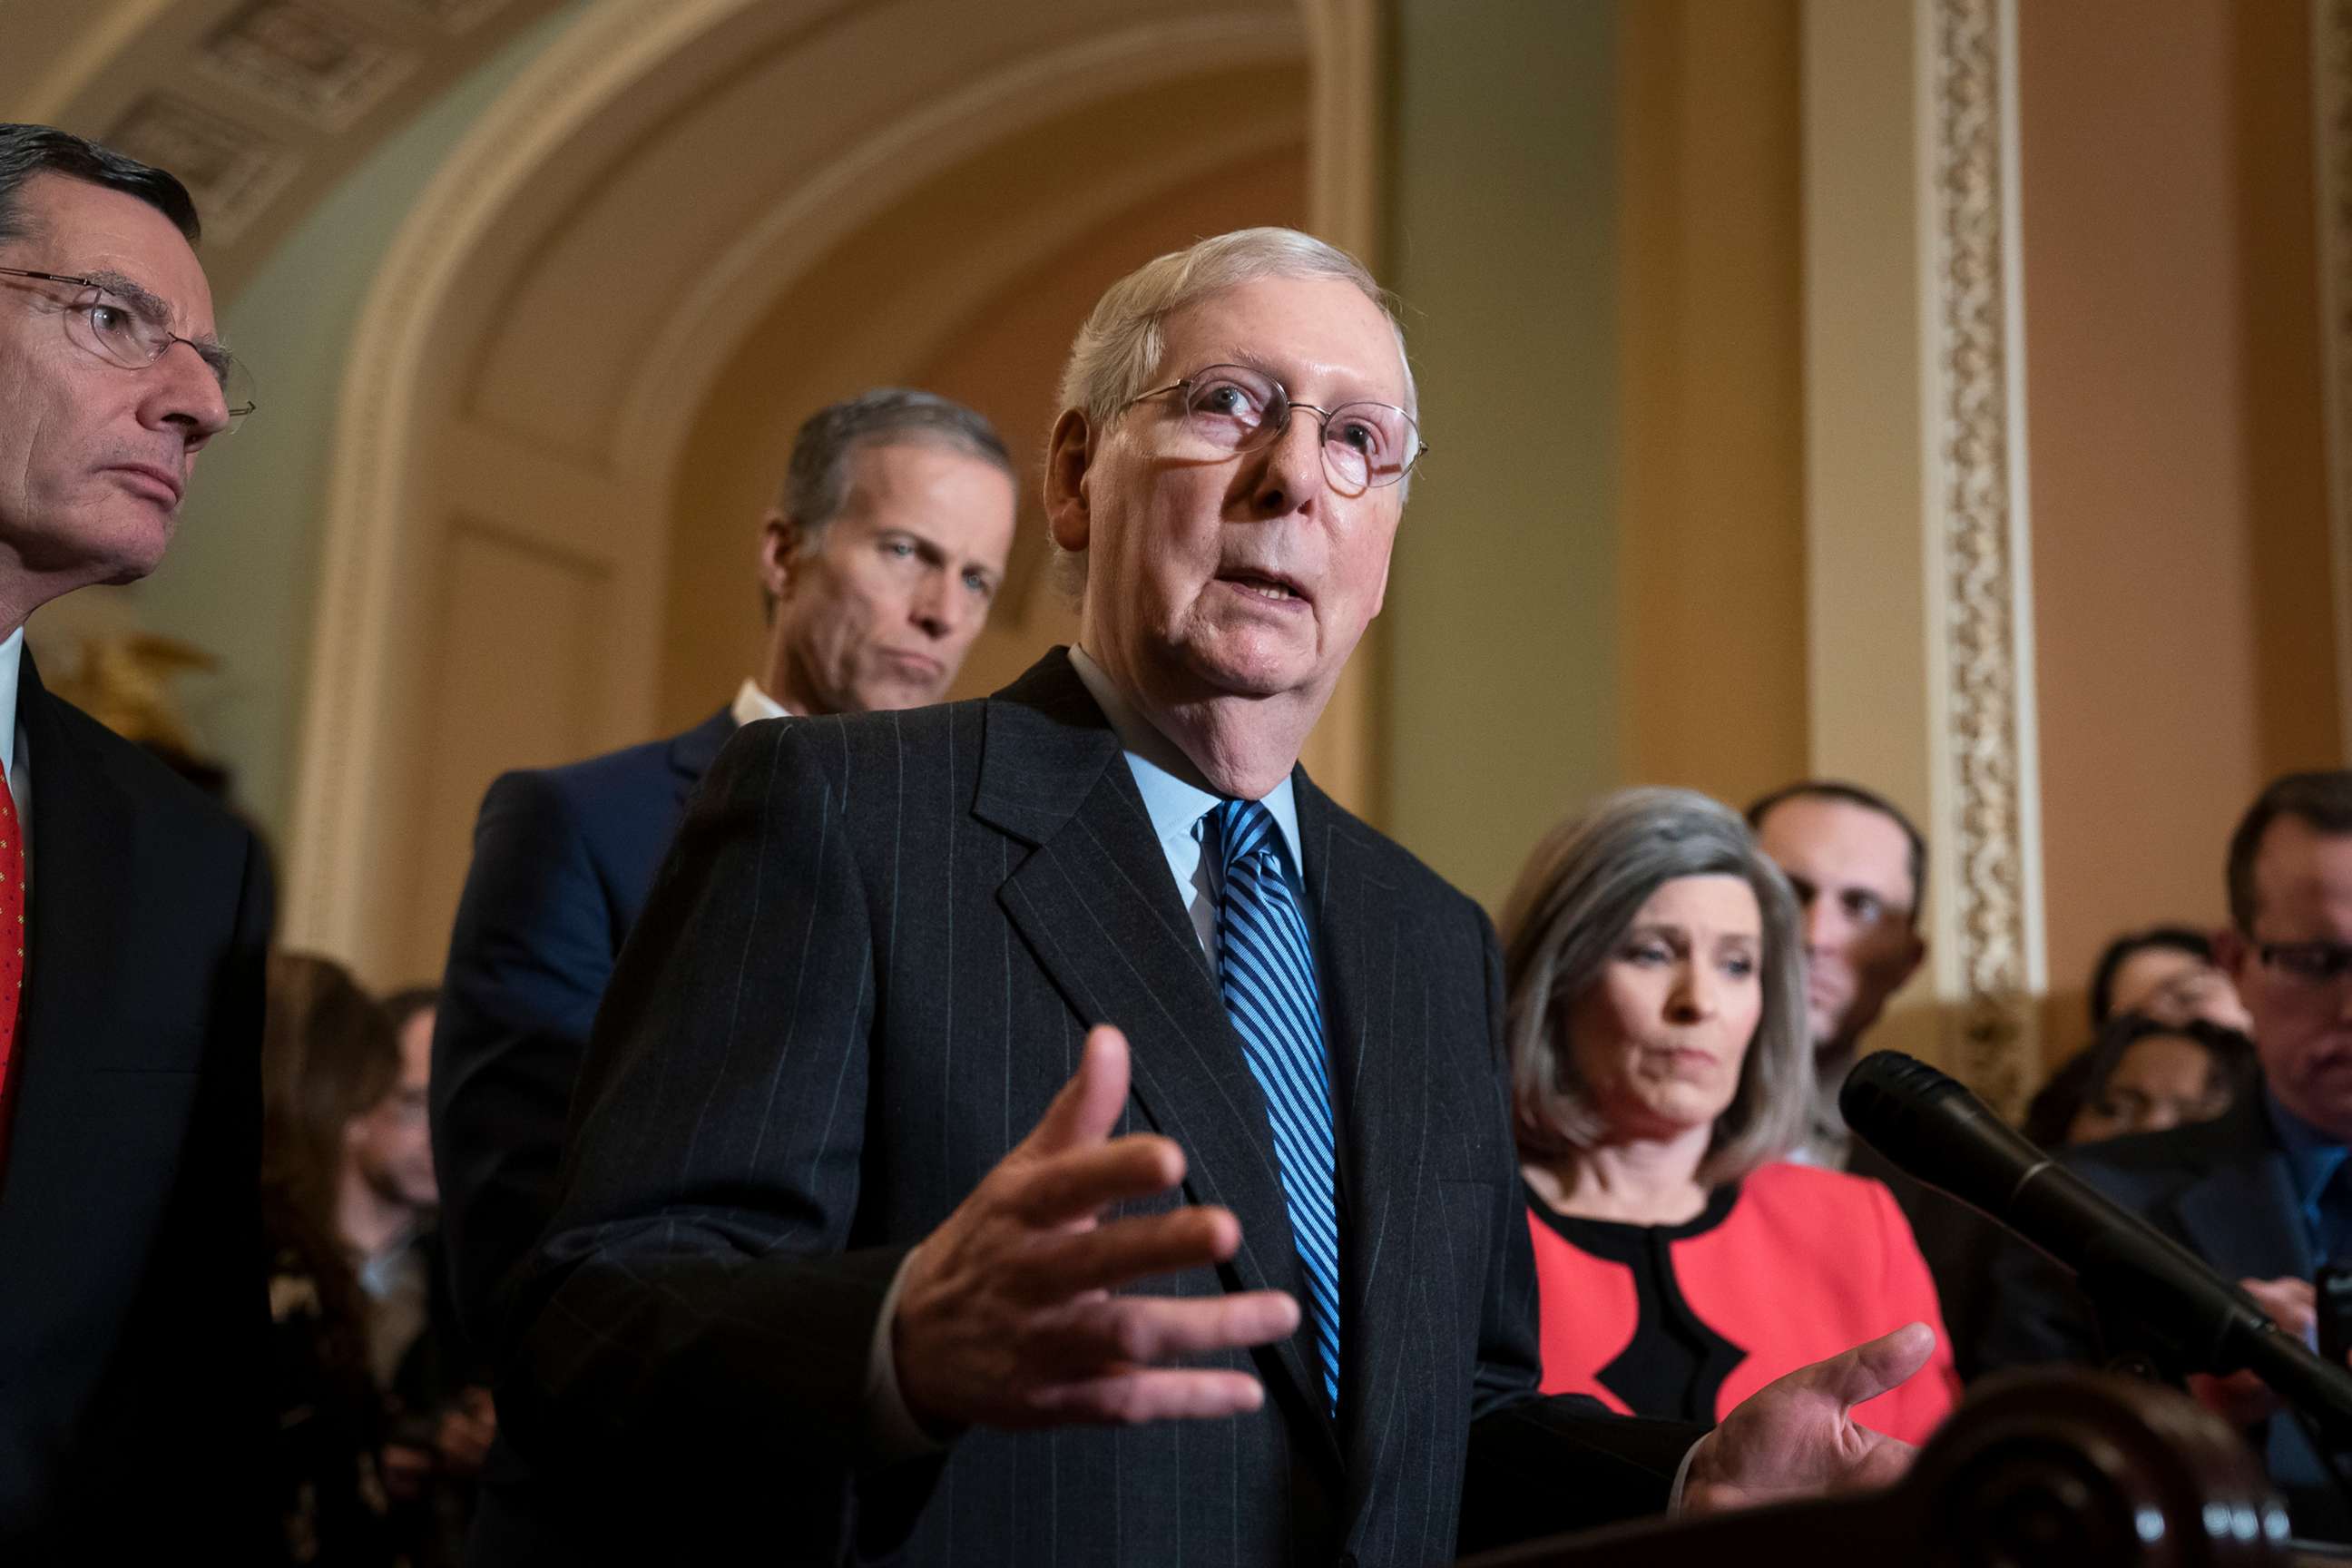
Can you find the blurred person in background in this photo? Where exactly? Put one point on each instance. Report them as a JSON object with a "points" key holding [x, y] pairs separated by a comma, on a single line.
{"points": [[877, 564], [2259, 1192], [330, 1058], [1858, 867], [375, 1435], [2049, 1118], [441, 1417], [1661, 1070], [2151, 1074], [2165, 972]]}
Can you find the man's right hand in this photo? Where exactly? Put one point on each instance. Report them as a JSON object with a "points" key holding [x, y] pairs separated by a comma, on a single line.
{"points": [[1005, 1314], [2241, 1399]]}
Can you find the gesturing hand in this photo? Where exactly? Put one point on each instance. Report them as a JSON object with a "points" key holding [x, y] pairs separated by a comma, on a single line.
{"points": [[1005, 1316], [1796, 1436], [2241, 1398]]}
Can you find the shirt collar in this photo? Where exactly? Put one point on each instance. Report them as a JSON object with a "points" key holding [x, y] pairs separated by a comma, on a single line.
{"points": [[1174, 791], [752, 705], [2312, 1158], [12, 665]]}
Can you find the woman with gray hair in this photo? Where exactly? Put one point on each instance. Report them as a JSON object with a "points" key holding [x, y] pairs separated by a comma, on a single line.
{"points": [[1661, 1073]]}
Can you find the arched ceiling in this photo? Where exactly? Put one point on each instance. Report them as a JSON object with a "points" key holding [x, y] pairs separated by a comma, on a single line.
{"points": [[655, 181], [261, 106]]}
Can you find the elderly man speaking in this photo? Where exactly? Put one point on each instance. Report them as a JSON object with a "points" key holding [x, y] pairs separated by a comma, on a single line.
{"points": [[943, 1029]]}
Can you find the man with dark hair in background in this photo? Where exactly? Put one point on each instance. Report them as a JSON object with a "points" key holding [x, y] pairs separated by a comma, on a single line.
{"points": [[2263, 1193], [878, 563], [134, 1320], [1859, 868]]}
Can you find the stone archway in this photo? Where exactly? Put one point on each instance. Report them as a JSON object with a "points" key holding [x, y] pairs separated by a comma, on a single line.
{"points": [[518, 393]]}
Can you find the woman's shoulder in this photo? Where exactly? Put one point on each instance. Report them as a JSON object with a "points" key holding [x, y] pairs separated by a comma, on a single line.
{"points": [[1787, 1183]]}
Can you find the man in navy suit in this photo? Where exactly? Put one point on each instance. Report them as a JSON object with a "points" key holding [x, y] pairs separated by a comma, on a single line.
{"points": [[134, 1318], [879, 562], [2264, 1194]]}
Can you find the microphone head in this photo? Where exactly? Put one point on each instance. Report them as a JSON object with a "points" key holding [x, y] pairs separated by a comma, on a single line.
{"points": [[1933, 1129], [1882, 1087]]}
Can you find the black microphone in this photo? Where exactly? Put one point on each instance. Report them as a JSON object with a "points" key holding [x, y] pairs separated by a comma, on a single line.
{"points": [[1934, 1130]]}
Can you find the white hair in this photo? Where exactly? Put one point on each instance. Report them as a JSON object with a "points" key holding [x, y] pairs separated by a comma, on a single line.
{"points": [[1117, 352]]}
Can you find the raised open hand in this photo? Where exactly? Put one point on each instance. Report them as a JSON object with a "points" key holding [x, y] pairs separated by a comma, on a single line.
{"points": [[1797, 1437], [1005, 1314]]}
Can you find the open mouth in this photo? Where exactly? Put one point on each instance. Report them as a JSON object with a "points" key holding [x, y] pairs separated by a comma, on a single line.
{"points": [[1263, 586]]}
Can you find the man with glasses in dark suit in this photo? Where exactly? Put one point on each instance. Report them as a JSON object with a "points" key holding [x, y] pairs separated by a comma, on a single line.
{"points": [[2264, 1192], [133, 1321], [944, 1029]]}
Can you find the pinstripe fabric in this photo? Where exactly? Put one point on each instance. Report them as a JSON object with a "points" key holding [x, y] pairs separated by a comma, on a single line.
{"points": [[1266, 971], [862, 976]]}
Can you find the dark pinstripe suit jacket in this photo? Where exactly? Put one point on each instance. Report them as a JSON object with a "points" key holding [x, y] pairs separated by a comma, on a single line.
{"points": [[864, 972]]}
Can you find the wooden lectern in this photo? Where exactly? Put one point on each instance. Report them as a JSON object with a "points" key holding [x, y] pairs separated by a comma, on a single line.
{"points": [[2042, 1468]]}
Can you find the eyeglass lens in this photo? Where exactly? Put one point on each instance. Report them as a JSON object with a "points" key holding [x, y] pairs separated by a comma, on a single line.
{"points": [[1234, 408], [114, 331], [2317, 961]]}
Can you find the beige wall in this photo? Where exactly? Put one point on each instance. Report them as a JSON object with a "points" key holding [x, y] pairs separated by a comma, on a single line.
{"points": [[1002, 353], [1711, 564], [2178, 524], [1498, 675]]}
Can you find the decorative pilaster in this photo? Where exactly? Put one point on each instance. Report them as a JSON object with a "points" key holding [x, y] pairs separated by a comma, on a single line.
{"points": [[1987, 784]]}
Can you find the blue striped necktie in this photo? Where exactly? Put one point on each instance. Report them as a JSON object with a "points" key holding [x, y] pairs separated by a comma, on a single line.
{"points": [[1266, 967]]}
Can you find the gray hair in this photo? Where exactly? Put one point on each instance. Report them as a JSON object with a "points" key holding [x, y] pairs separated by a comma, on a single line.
{"points": [[29, 150], [816, 480], [1117, 352], [1575, 899]]}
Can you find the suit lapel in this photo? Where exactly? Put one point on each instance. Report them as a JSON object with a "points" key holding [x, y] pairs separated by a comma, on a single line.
{"points": [[691, 754], [82, 835], [1360, 928], [1095, 906], [2241, 1216]]}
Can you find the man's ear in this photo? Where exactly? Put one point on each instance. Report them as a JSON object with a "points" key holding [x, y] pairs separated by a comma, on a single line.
{"points": [[1069, 456], [1913, 959], [779, 543], [2232, 953]]}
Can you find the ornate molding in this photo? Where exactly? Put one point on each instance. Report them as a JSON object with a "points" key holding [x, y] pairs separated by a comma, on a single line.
{"points": [[258, 105], [2331, 55], [233, 170], [391, 419], [1988, 786], [311, 62]]}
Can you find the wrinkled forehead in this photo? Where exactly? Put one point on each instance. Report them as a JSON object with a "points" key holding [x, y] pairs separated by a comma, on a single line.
{"points": [[1832, 840], [2304, 874], [72, 226], [1319, 331]]}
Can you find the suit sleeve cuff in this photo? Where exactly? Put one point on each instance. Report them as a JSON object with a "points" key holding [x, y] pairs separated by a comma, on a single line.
{"points": [[1682, 1474], [891, 1431]]}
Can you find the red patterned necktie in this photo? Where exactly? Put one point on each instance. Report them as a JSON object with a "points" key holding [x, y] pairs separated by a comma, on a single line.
{"points": [[12, 955]]}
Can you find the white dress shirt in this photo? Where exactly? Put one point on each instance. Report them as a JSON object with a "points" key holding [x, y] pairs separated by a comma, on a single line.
{"points": [[1177, 797], [752, 705], [14, 760]]}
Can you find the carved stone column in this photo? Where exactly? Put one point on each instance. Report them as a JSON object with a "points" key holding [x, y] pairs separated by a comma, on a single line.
{"points": [[1985, 778]]}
